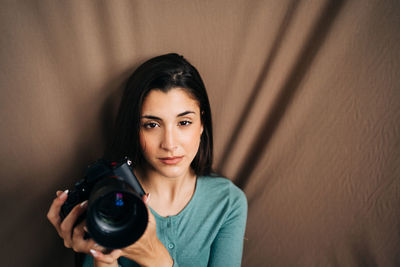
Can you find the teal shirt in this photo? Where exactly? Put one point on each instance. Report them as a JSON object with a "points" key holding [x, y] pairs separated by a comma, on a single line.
{"points": [[209, 231]]}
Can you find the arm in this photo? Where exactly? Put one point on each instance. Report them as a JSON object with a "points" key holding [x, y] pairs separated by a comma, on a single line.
{"points": [[227, 247]]}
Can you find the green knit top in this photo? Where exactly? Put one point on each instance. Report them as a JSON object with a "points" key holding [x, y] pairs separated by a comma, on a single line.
{"points": [[209, 231]]}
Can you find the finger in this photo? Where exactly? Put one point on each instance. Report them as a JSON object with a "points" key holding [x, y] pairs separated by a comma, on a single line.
{"points": [[103, 250], [79, 244], [106, 258], [53, 215], [69, 221], [54, 211], [79, 232], [146, 199]]}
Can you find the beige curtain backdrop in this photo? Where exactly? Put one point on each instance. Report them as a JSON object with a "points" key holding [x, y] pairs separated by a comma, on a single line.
{"points": [[306, 104]]}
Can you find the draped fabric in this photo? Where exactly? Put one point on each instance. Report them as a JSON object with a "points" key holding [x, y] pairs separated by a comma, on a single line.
{"points": [[305, 97]]}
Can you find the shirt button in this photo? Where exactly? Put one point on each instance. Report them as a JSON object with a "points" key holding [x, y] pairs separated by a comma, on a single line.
{"points": [[171, 246]]}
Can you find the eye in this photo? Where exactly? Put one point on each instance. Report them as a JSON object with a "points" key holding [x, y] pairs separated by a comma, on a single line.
{"points": [[150, 125], [184, 123]]}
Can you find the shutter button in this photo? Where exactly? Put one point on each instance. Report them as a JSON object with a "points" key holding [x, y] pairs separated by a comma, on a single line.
{"points": [[171, 246]]}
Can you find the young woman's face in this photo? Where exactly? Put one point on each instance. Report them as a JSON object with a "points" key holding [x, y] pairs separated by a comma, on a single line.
{"points": [[170, 131]]}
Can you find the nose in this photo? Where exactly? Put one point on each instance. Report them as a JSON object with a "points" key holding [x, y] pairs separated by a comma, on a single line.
{"points": [[169, 140]]}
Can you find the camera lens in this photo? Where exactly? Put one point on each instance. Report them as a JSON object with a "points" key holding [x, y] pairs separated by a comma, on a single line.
{"points": [[115, 209], [116, 215]]}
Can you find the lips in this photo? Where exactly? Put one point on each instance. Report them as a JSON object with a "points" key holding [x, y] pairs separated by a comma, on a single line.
{"points": [[171, 160]]}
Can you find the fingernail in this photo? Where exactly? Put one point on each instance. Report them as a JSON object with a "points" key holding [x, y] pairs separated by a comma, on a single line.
{"points": [[148, 198], [64, 195], [94, 252], [84, 204], [85, 229]]}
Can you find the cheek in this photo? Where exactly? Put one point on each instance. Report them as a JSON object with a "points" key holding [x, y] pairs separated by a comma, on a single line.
{"points": [[192, 140], [142, 141], [150, 143], [145, 143]]}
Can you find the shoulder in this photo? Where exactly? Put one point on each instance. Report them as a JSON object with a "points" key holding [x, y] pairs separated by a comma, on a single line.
{"points": [[222, 189], [224, 203]]}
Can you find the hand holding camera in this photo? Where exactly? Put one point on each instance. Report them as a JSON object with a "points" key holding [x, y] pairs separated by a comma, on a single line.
{"points": [[67, 229], [108, 206], [116, 215]]}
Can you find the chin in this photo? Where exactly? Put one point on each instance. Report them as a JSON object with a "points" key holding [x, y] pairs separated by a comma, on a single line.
{"points": [[172, 172]]}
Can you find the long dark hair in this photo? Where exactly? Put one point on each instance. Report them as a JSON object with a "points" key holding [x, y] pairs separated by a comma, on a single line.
{"points": [[160, 73]]}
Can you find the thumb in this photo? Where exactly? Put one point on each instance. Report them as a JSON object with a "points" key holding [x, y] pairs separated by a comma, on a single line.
{"points": [[146, 199]]}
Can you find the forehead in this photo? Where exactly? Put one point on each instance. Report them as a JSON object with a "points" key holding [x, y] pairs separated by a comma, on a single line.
{"points": [[174, 101]]}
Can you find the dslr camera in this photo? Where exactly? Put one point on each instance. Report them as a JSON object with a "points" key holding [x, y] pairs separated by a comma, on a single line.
{"points": [[116, 215]]}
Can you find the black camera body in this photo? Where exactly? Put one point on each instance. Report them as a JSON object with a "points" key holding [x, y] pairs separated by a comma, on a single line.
{"points": [[116, 215]]}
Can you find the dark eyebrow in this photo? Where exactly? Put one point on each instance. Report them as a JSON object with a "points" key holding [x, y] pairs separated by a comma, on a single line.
{"points": [[159, 119], [185, 113], [150, 117]]}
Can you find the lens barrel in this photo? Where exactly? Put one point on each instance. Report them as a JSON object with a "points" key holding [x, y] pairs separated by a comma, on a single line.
{"points": [[116, 215]]}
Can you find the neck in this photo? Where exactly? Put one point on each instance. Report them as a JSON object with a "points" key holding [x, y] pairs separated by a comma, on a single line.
{"points": [[169, 190]]}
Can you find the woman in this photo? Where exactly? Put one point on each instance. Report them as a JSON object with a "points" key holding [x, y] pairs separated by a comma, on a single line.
{"points": [[195, 218]]}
